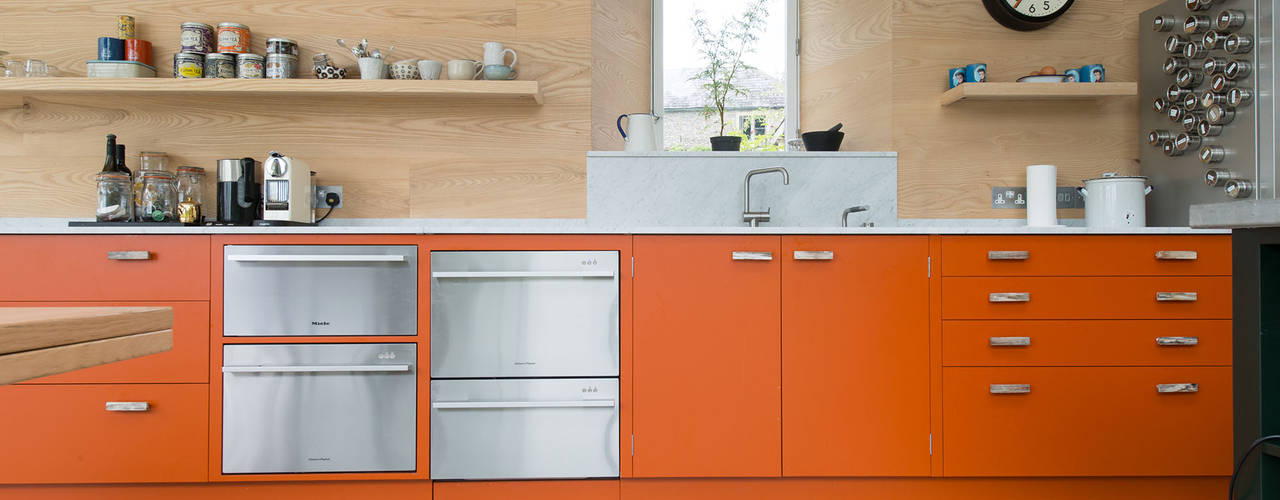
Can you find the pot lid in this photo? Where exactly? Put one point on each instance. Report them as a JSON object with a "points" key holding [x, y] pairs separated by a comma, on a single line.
{"points": [[1115, 176]]}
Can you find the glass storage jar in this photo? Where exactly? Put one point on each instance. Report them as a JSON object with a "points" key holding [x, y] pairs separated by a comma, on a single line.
{"points": [[115, 197], [191, 185], [148, 161], [159, 197]]}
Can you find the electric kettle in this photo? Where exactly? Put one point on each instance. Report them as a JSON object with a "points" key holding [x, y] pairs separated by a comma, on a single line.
{"points": [[641, 133]]}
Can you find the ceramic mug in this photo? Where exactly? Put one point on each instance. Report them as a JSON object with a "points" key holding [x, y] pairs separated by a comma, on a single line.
{"points": [[499, 72], [464, 69], [496, 55], [373, 68], [1093, 73], [430, 70]]}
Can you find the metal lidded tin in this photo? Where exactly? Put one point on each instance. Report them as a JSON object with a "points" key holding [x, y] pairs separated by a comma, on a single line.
{"points": [[125, 28], [188, 65], [282, 46], [197, 37], [248, 66], [219, 65], [282, 66], [233, 37]]}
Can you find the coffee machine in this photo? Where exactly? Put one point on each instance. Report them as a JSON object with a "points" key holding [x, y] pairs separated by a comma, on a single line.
{"points": [[289, 187], [237, 191]]}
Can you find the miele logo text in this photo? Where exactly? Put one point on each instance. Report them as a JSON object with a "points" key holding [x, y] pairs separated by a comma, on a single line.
{"points": [[525, 363], [591, 389], [318, 459], [590, 262], [319, 323]]}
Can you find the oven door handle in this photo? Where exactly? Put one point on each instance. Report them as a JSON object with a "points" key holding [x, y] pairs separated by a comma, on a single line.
{"points": [[316, 258], [523, 274], [316, 368], [485, 405]]}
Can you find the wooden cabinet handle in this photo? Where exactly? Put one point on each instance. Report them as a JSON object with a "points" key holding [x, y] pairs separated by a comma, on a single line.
{"points": [[128, 406], [1009, 297], [1010, 388], [129, 255], [1176, 296], [1010, 341], [1177, 255], [752, 255], [1008, 255], [1177, 341], [814, 255], [1177, 388]]}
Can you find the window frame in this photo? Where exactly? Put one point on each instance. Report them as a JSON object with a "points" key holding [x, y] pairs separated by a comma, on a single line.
{"points": [[791, 112]]}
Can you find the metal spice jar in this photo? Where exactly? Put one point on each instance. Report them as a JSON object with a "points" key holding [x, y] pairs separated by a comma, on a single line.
{"points": [[188, 65], [233, 37], [219, 65], [125, 28], [282, 66], [197, 38], [281, 46], [248, 66]]}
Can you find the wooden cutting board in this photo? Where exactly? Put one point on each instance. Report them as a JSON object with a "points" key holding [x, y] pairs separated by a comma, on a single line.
{"points": [[41, 341]]}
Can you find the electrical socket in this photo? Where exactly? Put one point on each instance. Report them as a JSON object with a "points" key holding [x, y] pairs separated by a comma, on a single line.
{"points": [[318, 201], [1015, 197]]}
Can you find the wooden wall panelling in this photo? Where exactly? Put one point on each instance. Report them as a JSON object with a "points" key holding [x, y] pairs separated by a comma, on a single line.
{"points": [[620, 41], [847, 48]]}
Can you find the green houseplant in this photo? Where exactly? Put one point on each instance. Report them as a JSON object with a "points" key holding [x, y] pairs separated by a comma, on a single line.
{"points": [[722, 52]]}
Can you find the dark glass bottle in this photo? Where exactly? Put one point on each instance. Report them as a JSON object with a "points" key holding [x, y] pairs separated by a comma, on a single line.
{"points": [[110, 164], [120, 166]]}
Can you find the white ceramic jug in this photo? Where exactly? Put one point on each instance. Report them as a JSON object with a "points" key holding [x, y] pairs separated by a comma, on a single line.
{"points": [[641, 132]]}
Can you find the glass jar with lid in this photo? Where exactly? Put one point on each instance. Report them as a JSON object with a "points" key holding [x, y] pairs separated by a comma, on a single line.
{"points": [[148, 161], [191, 185], [115, 197], [159, 197]]}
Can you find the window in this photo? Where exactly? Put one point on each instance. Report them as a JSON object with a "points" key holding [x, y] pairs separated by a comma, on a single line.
{"points": [[725, 67]]}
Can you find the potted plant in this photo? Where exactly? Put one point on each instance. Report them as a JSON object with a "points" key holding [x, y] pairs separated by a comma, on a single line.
{"points": [[722, 52]]}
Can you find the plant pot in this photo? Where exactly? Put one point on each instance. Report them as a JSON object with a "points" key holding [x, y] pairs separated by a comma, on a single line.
{"points": [[726, 143]]}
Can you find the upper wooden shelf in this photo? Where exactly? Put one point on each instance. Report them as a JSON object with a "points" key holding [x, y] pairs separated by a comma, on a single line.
{"points": [[1013, 91], [524, 91]]}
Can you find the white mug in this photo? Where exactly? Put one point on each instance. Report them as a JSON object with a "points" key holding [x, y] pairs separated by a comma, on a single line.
{"points": [[464, 69], [430, 70], [372, 68], [496, 55]]}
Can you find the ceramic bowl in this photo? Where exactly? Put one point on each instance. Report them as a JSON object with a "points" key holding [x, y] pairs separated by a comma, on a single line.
{"points": [[405, 70], [330, 72], [1043, 79]]}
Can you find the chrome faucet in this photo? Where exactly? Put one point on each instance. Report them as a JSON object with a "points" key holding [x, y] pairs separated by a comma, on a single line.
{"points": [[755, 218], [844, 216]]}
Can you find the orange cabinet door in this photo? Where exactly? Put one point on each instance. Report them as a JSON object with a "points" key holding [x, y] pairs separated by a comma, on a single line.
{"points": [[80, 267], [66, 434], [1092, 255], [855, 356], [1162, 297], [1086, 421], [707, 362], [1204, 342], [186, 362]]}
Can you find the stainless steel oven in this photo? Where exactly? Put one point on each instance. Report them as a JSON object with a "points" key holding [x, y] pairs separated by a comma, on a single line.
{"points": [[319, 408], [317, 290]]}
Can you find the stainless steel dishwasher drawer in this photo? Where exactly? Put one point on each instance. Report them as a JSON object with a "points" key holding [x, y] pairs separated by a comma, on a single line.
{"points": [[315, 290], [524, 314], [319, 408], [514, 429]]}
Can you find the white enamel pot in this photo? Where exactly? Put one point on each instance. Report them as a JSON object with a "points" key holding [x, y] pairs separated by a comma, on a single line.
{"points": [[1115, 201]]}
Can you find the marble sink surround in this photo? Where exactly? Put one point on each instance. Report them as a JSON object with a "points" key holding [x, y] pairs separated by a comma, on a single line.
{"points": [[700, 189]]}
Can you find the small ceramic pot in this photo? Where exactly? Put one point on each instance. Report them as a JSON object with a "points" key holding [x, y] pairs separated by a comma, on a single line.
{"points": [[373, 68], [405, 70], [499, 72]]}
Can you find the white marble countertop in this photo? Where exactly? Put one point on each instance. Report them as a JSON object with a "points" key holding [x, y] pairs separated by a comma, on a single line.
{"points": [[743, 154], [572, 226], [1241, 214]]}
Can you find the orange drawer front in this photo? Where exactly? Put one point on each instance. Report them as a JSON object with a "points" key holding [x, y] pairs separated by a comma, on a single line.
{"points": [[1087, 343], [187, 362], [1110, 421], [592, 489], [1181, 297], [1077, 255], [104, 267], [64, 434]]}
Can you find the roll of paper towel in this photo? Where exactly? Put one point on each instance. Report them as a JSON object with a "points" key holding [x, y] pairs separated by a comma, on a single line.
{"points": [[1042, 195]]}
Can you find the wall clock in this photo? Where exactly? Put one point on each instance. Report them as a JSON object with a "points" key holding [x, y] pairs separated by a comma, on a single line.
{"points": [[1026, 15]]}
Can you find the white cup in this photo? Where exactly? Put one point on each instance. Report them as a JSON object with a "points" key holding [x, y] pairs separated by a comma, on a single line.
{"points": [[430, 70], [373, 68], [496, 55], [464, 69]]}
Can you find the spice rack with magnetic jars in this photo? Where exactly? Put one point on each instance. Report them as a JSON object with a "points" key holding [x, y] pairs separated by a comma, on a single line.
{"points": [[1198, 88]]}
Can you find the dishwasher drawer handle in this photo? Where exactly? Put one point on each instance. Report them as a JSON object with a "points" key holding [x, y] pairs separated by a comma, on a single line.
{"points": [[1008, 255], [523, 274], [1177, 388], [128, 406], [1010, 341], [1177, 341], [486, 405], [1010, 388], [316, 368], [752, 255], [814, 255], [1176, 296], [316, 258], [1009, 297], [1177, 255], [129, 255]]}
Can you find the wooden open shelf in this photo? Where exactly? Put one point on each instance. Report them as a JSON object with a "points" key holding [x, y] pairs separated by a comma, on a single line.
{"points": [[520, 91], [1013, 91]]}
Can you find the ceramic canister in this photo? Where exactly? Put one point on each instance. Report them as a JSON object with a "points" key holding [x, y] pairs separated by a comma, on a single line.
{"points": [[249, 66], [233, 38], [188, 65], [219, 65], [197, 38]]}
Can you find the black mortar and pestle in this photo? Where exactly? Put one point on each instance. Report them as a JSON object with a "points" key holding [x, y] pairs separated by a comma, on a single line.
{"points": [[826, 140]]}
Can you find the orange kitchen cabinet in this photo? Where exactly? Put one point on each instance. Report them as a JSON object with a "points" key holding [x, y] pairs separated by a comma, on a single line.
{"points": [[581, 489], [65, 434], [1203, 342], [855, 356], [83, 267], [1087, 255], [1195, 297], [707, 361], [1086, 421], [186, 362]]}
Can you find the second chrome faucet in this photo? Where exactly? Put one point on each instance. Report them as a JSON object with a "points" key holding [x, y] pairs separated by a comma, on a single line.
{"points": [[755, 218]]}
